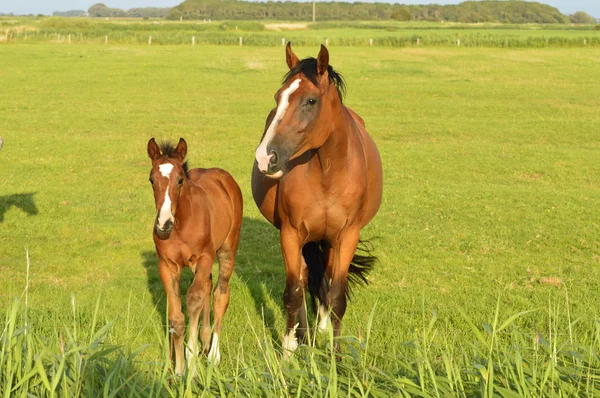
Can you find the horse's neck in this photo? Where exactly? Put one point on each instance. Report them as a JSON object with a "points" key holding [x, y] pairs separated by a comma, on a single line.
{"points": [[334, 152]]}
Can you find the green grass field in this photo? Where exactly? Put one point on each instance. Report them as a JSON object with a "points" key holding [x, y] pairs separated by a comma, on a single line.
{"points": [[490, 208]]}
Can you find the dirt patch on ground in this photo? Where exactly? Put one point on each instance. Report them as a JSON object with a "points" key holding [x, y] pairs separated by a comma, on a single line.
{"points": [[286, 26]]}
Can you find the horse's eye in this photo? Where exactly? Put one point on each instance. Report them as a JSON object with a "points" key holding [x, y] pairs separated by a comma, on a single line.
{"points": [[311, 101], [180, 181]]}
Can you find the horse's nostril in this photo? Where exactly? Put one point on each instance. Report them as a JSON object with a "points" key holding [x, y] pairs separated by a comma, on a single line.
{"points": [[273, 159]]}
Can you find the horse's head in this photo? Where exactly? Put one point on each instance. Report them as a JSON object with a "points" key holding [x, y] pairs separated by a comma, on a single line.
{"points": [[168, 176], [303, 118]]}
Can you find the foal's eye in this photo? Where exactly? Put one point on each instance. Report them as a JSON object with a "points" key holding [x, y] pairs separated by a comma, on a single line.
{"points": [[311, 101]]}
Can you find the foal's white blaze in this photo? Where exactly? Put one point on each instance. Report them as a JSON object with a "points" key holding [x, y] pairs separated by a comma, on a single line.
{"points": [[166, 169], [323, 318], [214, 355], [165, 211], [262, 157]]}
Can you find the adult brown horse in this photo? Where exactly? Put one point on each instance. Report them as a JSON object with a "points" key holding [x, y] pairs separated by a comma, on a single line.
{"points": [[198, 217], [318, 179]]}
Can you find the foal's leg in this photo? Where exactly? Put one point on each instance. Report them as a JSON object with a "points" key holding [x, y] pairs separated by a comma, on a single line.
{"points": [[226, 256], [170, 280], [343, 252], [198, 300], [293, 295]]}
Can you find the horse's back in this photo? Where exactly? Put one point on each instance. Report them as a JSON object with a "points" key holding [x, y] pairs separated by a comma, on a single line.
{"points": [[373, 167]]}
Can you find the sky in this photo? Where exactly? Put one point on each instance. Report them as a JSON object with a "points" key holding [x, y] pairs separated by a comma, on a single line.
{"points": [[592, 7]]}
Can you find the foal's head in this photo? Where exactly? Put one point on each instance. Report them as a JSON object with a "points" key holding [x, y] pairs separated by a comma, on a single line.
{"points": [[168, 175], [303, 117]]}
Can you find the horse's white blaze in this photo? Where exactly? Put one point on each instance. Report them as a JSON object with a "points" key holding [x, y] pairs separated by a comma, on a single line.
{"points": [[262, 157], [166, 169], [323, 318], [214, 355], [165, 211]]}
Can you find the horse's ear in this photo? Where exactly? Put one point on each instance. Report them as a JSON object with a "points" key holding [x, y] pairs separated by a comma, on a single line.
{"points": [[322, 60], [181, 149], [291, 58], [153, 150]]}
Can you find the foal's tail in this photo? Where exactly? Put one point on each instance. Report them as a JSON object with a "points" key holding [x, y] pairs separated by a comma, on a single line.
{"points": [[360, 266]]}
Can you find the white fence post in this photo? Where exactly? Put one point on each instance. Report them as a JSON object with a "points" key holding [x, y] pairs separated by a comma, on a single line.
{"points": [[69, 39], [418, 42], [458, 42], [370, 42], [105, 39], [193, 40], [149, 40], [283, 41], [326, 42], [240, 41]]}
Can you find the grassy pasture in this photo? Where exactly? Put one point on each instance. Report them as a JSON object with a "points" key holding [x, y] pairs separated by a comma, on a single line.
{"points": [[490, 204]]}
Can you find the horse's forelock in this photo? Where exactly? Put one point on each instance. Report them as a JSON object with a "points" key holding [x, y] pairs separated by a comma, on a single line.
{"points": [[308, 67]]}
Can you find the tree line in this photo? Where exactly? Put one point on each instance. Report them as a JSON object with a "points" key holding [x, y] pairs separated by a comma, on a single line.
{"points": [[468, 11]]}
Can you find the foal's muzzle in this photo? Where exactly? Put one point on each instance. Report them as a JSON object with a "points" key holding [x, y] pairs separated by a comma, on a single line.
{"points": [[165, 231]]}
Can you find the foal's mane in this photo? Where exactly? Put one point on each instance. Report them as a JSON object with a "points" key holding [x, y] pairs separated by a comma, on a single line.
{"points": [[169, 150], [308, 67]]}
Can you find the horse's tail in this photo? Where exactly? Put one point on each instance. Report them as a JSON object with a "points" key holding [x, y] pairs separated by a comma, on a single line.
{"points": [[360, 266]]}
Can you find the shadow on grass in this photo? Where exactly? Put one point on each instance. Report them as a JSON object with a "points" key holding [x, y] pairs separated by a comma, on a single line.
{"points": [[23, 201], [258, 265]]}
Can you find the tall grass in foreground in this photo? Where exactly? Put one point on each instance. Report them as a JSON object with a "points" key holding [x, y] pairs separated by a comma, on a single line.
{"points": [[74, 358]]}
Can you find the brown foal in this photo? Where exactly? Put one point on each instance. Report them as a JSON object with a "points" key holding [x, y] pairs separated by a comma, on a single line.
{"points": [[198, 218], [317, 177]]}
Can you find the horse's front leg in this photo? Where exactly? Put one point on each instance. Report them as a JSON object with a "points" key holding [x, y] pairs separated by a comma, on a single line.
{"points": [[293, 296], [343, 252], [170, 280]]}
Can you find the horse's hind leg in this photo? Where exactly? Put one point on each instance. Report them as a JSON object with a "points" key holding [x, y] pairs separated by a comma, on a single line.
{"points": [[170, 280], [198, 301], [226, 255]]}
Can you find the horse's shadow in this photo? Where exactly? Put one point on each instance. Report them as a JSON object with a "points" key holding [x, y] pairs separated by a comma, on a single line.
{"points": [[258, 265], [23, 201]]}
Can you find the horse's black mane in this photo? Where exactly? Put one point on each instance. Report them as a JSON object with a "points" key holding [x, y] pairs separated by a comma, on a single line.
{"points": [[308, 67], [168, 149]]}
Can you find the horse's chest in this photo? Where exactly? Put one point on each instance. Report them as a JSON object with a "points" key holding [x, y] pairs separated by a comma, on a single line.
{"points": [[319, 212]]}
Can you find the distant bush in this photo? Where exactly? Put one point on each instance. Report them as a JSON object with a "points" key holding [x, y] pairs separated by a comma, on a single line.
{"points": [[582, 17]]}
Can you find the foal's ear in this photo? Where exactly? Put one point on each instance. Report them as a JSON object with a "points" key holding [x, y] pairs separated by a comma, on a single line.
{"points": [[153, 150], [291, 58], [322, 60], [181, 149]]}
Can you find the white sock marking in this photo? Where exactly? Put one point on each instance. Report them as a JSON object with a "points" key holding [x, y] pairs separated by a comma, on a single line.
{"points": [[166, 169], [262, 157], [323, 318], [214, 355], [289, 343]]}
